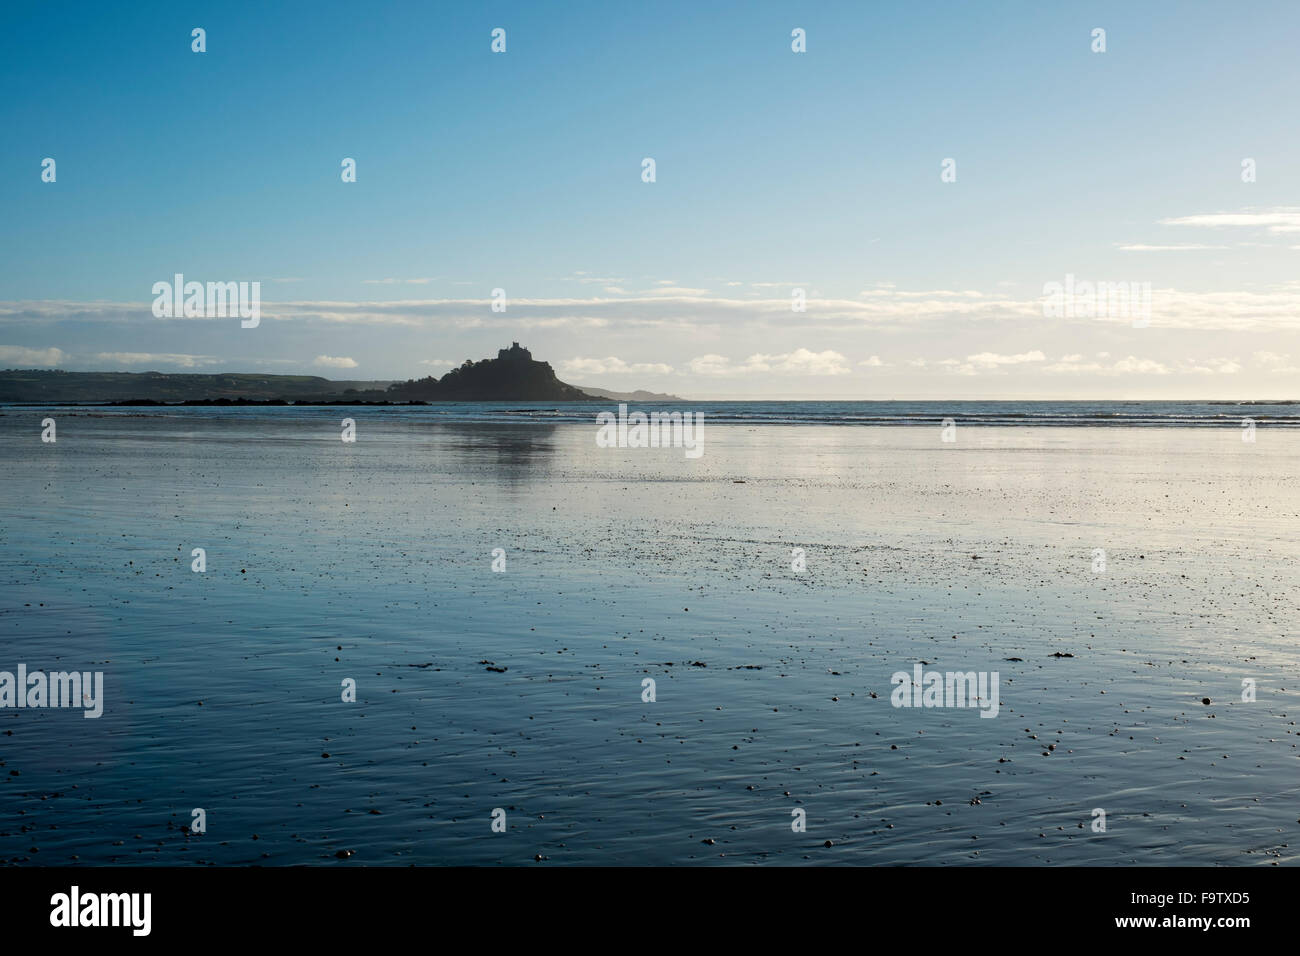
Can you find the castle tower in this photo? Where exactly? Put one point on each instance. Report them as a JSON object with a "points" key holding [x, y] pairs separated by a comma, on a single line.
{"points": [[515, 353]]}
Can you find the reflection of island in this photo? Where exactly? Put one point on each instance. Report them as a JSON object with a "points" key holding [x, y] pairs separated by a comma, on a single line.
{"points": [[513, 376], [497, 450]]}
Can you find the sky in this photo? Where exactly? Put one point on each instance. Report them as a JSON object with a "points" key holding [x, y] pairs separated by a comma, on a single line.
{"points": [[922, 172]]}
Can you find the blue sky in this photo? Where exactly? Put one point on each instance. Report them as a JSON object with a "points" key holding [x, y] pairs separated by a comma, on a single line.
{"points": [[775, 170]]}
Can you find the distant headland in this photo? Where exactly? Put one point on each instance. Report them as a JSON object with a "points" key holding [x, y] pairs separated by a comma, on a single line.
{"points": [[513, 376]]}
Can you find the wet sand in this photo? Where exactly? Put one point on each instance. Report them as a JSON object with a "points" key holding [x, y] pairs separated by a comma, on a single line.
{"points": [[372, 561]]}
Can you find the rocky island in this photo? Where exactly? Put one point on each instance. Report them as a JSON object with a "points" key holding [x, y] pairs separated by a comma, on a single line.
{"points": [[513, 376]]}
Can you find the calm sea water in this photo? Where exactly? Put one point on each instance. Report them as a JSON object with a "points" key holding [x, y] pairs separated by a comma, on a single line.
{"points": [[373, 562], [1059, 414]]}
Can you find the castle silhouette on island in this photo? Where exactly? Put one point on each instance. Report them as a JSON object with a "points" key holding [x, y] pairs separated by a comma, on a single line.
{"points": [[513, 376], [516, 353]]}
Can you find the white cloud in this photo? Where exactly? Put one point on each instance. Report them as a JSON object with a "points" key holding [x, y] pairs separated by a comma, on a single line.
{"points": [[154, 358], [1190, 247], [993, 360], [1125, 366], [1283, 219], [20, 356], [422, 281], [1141, 366], [713, 365], [873, 362], [675, 290], [1077, 368], [439, 363], [987, 361], [804, 362], [611, 366], [1275, 307], [799, 362], [330, 361], [1269, 358], [1212, 367]]}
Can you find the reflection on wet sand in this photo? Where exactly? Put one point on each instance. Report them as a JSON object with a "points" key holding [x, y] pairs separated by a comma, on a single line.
{"points": [[477, 689]]}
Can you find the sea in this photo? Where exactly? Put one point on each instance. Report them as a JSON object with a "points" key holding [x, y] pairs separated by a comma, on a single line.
{"points": [[473, 635], [1129, 414]]}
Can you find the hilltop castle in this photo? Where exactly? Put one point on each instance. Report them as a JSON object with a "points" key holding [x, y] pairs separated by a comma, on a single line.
{"points": [[516, 353]]}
